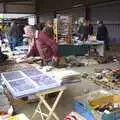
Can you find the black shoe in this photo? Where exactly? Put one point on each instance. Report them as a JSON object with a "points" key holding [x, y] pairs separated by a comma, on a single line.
{"points": [[3, 58]]}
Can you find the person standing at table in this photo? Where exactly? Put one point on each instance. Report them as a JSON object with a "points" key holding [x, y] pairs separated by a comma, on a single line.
{"points": [[81, 29], [85, 30], [102, 34], [90, 27], [13, 35]]}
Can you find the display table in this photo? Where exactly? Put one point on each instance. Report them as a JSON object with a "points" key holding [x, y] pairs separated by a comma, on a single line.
{"points": [[33, 81], [51, 113], [81, 49]]}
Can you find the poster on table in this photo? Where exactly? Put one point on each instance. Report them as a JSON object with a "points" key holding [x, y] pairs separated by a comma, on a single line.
{"points": [[28, 81]]}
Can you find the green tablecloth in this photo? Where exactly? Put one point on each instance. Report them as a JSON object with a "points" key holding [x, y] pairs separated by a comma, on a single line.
{"points": [[81, 49], [77, 50]]}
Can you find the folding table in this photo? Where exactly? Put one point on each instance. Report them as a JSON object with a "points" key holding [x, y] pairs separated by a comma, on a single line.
{"points": [[41, 95], [29, 81]]}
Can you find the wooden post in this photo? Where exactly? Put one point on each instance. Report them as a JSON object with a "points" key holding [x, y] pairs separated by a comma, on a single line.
{"points": [[4, 7], [36, 11], [87, 13]]}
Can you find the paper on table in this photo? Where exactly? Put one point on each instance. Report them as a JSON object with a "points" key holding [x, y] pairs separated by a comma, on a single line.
{"points": [[28, 81], [60, 74]]}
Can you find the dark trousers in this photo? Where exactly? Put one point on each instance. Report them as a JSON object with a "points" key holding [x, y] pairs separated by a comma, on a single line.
{"points": [[13, 42], [106, 43], [3, 57]]}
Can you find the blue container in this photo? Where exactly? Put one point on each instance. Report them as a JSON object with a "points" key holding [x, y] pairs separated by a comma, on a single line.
{"points": [[83, 109], [111, 116]]}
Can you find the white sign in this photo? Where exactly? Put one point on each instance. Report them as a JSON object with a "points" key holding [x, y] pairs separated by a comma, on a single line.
{"points": [[32, 20]]}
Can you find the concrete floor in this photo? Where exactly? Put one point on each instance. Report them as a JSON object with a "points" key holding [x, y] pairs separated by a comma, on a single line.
{"points": [[66, 102]]}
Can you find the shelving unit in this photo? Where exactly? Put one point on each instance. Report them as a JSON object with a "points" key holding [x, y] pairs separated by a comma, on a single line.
{"points": [[63, 28]]}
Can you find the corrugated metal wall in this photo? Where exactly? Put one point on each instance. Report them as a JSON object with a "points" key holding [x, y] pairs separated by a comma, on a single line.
{"points": [[1, 8], [75, 12], [114, 29], [109, 13], [46, 16], [18, 8]]}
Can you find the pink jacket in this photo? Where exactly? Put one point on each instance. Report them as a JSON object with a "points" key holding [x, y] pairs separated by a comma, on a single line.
{"points": [[44, 46]]}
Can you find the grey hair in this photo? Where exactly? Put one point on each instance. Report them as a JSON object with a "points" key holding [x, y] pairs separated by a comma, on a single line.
{"points": [[29, 28]]}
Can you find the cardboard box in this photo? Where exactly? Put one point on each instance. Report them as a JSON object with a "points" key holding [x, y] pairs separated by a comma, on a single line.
{"points": [[97, 98], [107, 114]]}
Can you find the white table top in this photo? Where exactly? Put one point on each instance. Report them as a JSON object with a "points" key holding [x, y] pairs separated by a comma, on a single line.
{"points": [[86, 43]]}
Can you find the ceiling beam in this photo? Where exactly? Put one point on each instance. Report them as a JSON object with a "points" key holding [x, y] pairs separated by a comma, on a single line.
{"points": [[103, 2], [8, 1], [4, 7]]}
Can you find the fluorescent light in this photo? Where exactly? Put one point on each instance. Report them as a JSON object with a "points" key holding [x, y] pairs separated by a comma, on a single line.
{"points": [[77, 5], [5, 16]]}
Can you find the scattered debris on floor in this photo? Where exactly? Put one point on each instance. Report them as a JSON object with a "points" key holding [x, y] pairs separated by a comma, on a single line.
{"points": [[109, 78]]}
